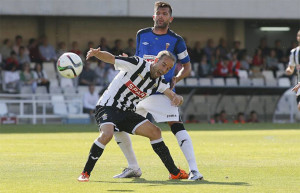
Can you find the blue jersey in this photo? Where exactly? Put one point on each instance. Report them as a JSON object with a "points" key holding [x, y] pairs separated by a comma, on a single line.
{"points": [[149, 44]]}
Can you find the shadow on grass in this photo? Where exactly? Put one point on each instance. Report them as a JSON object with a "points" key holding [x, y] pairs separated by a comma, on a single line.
{"points": [[164, 127], [173, 182]]}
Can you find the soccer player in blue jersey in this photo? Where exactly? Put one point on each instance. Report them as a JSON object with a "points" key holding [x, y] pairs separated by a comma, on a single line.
{"points": [[149, 42]]}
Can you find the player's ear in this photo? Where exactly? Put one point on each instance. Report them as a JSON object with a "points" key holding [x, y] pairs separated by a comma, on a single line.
{"points": [[156, 60]]}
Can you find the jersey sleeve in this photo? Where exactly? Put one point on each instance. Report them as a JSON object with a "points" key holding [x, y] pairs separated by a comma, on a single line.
{"points": [[127, 64], [163, 85], [181, 51], [292, 58]]}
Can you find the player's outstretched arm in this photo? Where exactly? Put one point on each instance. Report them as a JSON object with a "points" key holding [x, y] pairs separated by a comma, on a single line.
{"points": [[176, 100], [101, 55], [183, 73], [289, 70]]}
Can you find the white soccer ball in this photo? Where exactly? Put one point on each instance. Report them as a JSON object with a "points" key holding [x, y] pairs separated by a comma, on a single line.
{"points": [[69, 65]]}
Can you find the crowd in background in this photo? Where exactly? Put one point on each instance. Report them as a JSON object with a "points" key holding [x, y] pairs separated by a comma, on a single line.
{"points": [[210, 60]]}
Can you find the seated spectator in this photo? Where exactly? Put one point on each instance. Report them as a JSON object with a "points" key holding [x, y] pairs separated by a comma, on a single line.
{"points": [[11, 63], [6, 49], [236, 49], [116, 50], [87, 75], [23, 57], [222, 47], [204, 69], [41, 76], [12, 75], [216, 58], [263, 46], [215, 119], [75, 48], [279, 52], [47, 51], [103, 45], [192, 119], [209, 50], [245, 61], [101, 74], [34, 52], [90, 100], [253, 117], [223, 117], [61, 49], [240, 118], [234, 65], [258, 59], [223, 68], [196, 53], [18, 44], [130, 50], [111, 73], [27, 77], [272, 62]]}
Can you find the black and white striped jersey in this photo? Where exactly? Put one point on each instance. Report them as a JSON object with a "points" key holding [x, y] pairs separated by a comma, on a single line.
{"points": [[295, 60], [132, 84]]}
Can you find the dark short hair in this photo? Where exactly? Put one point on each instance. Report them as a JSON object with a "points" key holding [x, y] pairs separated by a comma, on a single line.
{"points": [[161, 4]]}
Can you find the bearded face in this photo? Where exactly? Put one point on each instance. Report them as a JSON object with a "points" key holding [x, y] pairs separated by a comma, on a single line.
{"points": [[162, 18]]}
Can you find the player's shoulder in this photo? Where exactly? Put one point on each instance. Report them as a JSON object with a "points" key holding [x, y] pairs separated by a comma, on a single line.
{"points": [[144, 30], [294, 49], [177, 36]]}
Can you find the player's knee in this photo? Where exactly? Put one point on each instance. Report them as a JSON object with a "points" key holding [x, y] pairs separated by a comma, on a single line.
{"points": [[106, 135], [155, 133], [176, 127]]}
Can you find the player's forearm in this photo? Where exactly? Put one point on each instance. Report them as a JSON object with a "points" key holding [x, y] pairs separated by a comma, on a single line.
{"points": [[184, 72], [169, 93], [105, 57]]}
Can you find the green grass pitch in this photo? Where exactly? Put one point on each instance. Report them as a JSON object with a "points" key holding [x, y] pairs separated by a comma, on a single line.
{"points": [[256, 158]]}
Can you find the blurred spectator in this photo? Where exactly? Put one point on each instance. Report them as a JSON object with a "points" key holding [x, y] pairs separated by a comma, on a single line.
{"points": [[41, 76], [111, 73], [204, 69], [61, 49], [209, 50], [103, 45], [263, 46], [27, 77], [90, 100], [75, 48], [222, 47], [236, 49], [272, 62], [253, 117], [188, 48], [279, 52], [234, 65], [87, 75], [192, 119], [223, 68], [47, 51], [11, 63], [293, 45], [215, 119], [23, 57], [116, 50], [245, 60], [196, 52], [18, 44], [223, 117], [258, 59], [130, 50], [34, 52], [100, 72], [240, 118], [216, 58], [6, 49]]}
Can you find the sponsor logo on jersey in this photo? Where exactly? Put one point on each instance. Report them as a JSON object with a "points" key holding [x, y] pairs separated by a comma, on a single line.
{"points": [[145, 43], [135, 90]]}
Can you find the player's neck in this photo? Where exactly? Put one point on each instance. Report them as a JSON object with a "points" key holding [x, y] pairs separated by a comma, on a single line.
{"points": [[160, 31]]}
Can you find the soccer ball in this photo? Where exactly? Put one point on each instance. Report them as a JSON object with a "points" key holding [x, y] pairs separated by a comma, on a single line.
{"points": [[69, 65]]}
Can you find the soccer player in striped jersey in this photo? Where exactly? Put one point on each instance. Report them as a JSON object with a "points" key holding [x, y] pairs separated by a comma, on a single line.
{"points": [[115, 110], [149, 42], [294, 63]]}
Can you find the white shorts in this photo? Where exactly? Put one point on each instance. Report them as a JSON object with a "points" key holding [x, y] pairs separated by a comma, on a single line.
{"points": [[160, 108]]}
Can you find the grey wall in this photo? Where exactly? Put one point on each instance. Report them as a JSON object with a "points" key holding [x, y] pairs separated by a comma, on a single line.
{"points": [[238, 9]]}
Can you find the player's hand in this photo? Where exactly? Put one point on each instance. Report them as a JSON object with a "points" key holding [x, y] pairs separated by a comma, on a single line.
{"points": [[177, 100], [296, 88], [173, 82], [92, 52]]}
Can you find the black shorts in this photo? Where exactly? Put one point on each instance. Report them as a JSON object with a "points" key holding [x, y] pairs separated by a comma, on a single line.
{"points": [[298, 98], [126, 121]]}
